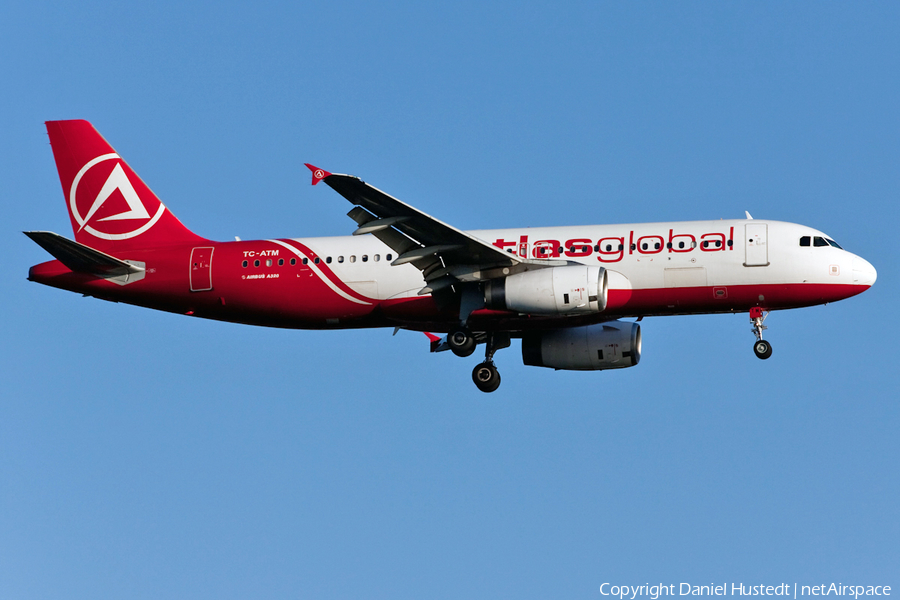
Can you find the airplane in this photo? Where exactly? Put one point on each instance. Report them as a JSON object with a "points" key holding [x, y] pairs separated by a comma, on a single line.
{"points": [[564, 291]]}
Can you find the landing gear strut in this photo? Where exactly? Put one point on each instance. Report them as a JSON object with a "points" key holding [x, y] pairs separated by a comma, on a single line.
{"points": [[485, 375], [761, 347]]}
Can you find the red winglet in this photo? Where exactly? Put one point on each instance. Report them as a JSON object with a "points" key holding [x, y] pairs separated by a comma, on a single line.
{"points": [[317, 173]]}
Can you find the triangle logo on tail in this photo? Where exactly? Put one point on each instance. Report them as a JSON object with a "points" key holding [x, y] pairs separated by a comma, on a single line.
{"points": [[117, 180]]}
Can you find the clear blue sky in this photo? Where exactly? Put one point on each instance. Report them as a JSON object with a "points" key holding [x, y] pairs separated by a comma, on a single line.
{"points": [[147, 455]]}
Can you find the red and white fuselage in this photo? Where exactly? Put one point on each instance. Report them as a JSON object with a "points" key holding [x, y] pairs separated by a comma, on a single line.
{"points": [[347, 281]]}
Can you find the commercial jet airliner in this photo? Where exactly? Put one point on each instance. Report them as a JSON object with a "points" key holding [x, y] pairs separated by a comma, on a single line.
{"points": [[562, 290]]}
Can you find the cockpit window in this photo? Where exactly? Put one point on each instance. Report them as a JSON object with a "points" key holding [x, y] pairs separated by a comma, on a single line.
{"points": [[804, 241], [819, 241], [833, 243]]}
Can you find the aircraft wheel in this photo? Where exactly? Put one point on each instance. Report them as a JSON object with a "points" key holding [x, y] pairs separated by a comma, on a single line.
{"points": [[486, 377], [461, 342], [763, 349]]}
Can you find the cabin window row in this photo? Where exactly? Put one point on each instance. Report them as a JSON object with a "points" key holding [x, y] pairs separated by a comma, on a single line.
{"points": [[268, 262], [328, 260]]}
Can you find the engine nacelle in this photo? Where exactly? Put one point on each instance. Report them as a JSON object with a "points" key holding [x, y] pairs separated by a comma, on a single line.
{"points": [[612, 345], [574, 290]]}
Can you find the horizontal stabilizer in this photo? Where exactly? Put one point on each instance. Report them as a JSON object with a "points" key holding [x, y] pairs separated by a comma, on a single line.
{"points": [[81, 258]]}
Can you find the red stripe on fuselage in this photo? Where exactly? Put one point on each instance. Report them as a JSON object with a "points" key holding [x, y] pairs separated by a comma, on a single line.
{"points": [[326, 270]]}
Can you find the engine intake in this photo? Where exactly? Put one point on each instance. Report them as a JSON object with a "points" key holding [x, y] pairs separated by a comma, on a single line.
{"points": [[574, 290], [612, 345]]}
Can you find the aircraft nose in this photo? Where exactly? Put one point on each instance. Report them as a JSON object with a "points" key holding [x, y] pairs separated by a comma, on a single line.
{"points": [[863, 272]]}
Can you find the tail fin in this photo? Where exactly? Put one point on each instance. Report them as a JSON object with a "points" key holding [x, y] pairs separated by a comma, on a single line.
{"points": [[110, 207]]}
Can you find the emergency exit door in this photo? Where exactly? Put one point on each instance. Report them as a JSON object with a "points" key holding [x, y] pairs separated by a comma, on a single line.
{"points": [[756, 245], [201, 269]]}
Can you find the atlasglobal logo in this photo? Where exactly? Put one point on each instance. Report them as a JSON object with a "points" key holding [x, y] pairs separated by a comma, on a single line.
{"points": [[614, 248], [107, 214]]}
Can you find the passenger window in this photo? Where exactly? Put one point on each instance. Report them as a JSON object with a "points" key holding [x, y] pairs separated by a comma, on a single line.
{"points": [[256, 263], [317, 259], [353, 258], [328, 260], [819, 242], [656, 246], [609, 248], [681, 244], [377, 257], [804, 240], [268, 262], [305, 261], [388, 257], [293, 261], [644, 246], [365, 258], [340, 259], [244, 264], [280, 262]]}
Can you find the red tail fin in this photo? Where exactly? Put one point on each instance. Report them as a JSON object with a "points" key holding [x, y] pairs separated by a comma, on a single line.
{"points": [[110, 207]]}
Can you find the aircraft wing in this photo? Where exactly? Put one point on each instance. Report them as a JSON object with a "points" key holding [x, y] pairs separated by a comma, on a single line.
{"points": [[443, 253]]}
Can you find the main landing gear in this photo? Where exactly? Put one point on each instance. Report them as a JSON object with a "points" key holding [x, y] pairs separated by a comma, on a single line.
{"points": [[761, 347], [462, 342], [485, 375]]}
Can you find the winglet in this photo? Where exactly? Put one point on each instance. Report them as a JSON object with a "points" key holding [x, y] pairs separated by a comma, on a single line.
{"points": [[435, 342], [317, 173]]}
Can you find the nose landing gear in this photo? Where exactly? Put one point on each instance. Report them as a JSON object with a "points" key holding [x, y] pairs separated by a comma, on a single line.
{"points": [[761, 347]]}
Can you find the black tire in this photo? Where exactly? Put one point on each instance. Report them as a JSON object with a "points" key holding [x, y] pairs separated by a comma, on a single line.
{"points": [[461, 342], [486, 377], [762, 349]]}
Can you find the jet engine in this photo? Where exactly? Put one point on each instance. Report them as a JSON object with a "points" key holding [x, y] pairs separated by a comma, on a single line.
{"points": [[611, 345], [574, 290]]}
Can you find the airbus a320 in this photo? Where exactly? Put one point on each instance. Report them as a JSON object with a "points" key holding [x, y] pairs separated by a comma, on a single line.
{"points": [[564, 291]]}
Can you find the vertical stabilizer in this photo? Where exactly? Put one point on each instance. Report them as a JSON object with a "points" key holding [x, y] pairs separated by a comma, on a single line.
{"points": [[111, 208]]}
